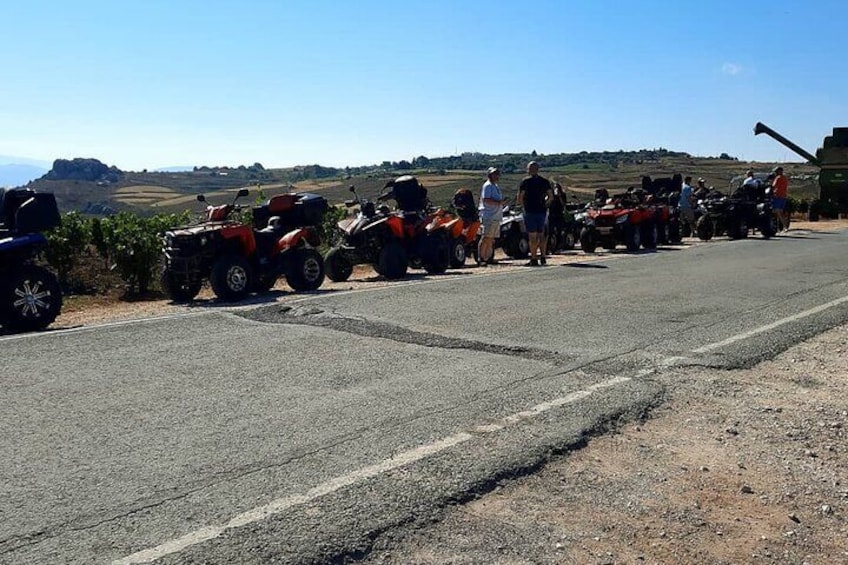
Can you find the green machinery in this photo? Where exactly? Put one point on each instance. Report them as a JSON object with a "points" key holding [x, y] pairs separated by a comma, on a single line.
{"points": [[831, 158]]}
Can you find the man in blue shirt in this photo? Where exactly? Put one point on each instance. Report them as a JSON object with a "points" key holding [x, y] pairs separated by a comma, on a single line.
{"points": [[687, 213]]}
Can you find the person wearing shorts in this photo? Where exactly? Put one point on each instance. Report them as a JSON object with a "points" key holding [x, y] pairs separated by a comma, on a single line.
{"points": [[534, 193], [491, 214], [779, 194]]}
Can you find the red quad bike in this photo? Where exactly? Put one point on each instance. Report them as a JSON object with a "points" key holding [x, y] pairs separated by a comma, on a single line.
{"points": [[237, 259], [390, 240], [624, 219], [461, 227], [664, 194]]}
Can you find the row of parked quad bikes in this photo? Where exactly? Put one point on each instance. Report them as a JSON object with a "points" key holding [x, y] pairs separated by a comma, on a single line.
{"points": [[237, 258]]}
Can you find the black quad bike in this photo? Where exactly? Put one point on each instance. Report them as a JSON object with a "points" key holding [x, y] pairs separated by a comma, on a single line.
{"points": [[30, 296], [237, 258], [563, 230], [390, 240], [736, 215]]}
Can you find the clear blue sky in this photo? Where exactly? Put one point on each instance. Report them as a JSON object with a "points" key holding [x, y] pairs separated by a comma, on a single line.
{"points": [[187, 82]]}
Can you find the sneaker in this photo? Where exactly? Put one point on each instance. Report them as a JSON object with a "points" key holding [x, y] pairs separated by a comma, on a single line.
{"points": [[532, 263], [543, 260]]}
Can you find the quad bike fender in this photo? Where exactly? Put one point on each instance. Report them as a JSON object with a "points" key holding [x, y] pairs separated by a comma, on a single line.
{"points": [[297, 238], [468, 232], [29, 240], [396, 226], [243, 234]]}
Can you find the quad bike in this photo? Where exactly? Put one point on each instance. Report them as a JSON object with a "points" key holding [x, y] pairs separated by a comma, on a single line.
{"points": [[30, 296], [623, 219], [238, 259], [390, 240], [461, 225], [736, 215], [513, 238], [563, 233]]}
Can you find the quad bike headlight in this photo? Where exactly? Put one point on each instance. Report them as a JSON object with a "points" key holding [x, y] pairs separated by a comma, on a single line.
{"points": [[203, 240], [622, 219]]}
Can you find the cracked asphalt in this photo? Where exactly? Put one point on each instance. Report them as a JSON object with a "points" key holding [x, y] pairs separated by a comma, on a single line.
{"points": [[303, 432]]}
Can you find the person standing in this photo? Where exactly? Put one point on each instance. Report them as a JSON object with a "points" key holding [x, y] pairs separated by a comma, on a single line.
{"points": [[534, 194], [556, 216], [779, 194], [491, 214], [684, 205]]}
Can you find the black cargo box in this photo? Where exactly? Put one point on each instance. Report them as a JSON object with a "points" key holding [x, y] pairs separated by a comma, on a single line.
{"points": [[295, 210], [27, 211], [409, 194]]}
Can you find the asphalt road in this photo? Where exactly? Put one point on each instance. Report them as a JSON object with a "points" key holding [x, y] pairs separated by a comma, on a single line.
{"points": [[299, 432]]}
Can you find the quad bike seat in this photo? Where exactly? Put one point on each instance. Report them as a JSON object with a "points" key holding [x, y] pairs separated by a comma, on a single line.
{"points": [[267, 237]]}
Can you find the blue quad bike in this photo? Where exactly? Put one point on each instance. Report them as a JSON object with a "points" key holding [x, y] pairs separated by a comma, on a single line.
{"points": [[30, 296]]}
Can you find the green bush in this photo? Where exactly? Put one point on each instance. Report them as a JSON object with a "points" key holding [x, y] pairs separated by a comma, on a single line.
{"points": [[132, 244], [66, 244], [329, 230]]}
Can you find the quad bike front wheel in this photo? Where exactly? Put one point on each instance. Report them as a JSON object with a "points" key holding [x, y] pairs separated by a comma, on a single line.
{"points": [[649, 235], [588, 242], [458, 253], [393, 262], [31, 299], [231, 277], [674, 235], [632, 237], [436, 253], [305, 270], [337, 265], [569, 240], [705, 229], [554, 241], [178, 289], [516, 245]]}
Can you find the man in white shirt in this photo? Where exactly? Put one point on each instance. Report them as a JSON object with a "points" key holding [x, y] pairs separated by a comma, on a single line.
{"points": [[491, 214]]}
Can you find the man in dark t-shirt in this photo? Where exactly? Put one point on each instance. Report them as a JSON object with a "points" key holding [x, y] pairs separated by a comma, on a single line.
{"points": [[534, 194]]}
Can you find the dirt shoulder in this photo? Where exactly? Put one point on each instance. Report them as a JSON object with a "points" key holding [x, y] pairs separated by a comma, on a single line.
{"points": [[747, 466]]}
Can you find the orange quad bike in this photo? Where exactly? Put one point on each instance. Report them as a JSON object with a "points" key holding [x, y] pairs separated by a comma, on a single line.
{"points": [[237, 258], [461, 226]]}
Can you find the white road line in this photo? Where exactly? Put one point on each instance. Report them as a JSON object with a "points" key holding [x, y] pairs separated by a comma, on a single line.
{"points": [[116, 323], [400, 460], [769, 327]]}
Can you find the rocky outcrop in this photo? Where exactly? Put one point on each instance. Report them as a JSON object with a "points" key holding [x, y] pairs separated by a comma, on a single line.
{"points": [[83, 169]]}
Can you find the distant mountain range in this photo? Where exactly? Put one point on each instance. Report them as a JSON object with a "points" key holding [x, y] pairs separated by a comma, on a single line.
{"points": [[18, 174]]}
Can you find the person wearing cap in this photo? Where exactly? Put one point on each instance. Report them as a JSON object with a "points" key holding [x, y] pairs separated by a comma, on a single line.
{"points": [[779, 194], [491, 214], [534, 194]]}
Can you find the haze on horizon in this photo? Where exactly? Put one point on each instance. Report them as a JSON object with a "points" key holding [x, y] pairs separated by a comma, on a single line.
{"points": [[146, 85]]}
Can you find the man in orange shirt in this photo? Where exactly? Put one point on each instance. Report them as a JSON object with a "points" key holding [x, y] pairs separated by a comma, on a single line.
{"points": [[779, 193]]}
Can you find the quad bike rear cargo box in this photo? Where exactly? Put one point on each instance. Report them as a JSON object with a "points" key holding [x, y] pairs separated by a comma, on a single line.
{"points": [[26, 211], [409, 194], [295, 210], [463, 201]]}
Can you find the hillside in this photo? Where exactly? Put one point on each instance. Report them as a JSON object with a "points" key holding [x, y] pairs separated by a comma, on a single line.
{"points": [[581, 173]]}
